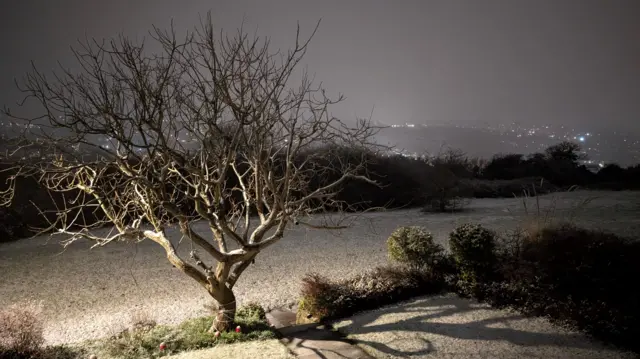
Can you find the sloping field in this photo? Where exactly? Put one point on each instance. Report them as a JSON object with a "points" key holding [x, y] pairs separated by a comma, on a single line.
{"points": [[91, 293]]}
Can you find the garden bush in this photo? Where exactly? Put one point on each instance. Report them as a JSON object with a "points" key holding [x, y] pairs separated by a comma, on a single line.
{"points": [[252, 311], [474, 251], [326, 299], [578, 277], [21, 330], [21, 335], [414, 246]]}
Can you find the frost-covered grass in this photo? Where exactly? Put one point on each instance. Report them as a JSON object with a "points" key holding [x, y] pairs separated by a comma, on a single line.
{"points": [[150, 341], [87, 293]]}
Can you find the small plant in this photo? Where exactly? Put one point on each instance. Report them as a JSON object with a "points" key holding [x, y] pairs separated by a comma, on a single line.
{"points": [[252, 311], [21, 330], [414, 246], [473, 248], [318, 296], [142, 321]]}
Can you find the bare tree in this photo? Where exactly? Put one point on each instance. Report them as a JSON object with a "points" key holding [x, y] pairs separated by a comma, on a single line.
{"points": [[208, 129]]}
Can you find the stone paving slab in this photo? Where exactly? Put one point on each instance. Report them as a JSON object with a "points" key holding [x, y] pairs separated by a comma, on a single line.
{"points": [[279, 318], [311, 341], [319, 342]]}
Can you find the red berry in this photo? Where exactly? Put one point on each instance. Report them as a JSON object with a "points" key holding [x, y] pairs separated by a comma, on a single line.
{"points": [[238, 329], [163, 346]]}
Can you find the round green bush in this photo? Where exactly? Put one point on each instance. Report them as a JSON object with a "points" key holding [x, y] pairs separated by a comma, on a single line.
{"points": [[474, 251], [413, 246]]}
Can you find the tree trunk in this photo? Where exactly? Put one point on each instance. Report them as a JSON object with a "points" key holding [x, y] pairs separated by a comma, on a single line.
{"points": [[226, 313]]}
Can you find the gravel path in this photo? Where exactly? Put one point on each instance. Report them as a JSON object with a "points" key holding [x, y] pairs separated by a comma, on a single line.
{"points": [[92, 293]]}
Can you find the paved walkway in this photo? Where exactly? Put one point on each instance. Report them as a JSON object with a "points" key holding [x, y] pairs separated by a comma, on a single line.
{"points": [[449, 327], [441, 326], [311, 341]]}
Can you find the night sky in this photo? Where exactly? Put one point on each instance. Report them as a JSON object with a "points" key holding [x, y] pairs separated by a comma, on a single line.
{"points": [[573, 62]]}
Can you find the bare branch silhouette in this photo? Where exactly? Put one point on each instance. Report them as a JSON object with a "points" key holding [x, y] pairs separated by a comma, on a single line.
{"points": [[208, 129]]}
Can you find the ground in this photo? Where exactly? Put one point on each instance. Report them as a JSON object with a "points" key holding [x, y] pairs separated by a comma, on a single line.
{"points": [[92, 293], [265, 349], [451, 327]]}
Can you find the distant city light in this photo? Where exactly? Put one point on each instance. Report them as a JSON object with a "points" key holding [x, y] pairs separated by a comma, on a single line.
{"points": [[581, 138]]}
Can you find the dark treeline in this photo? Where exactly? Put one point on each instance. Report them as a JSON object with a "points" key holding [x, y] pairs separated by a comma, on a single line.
{"points": [[418, 182], [436, 183]]}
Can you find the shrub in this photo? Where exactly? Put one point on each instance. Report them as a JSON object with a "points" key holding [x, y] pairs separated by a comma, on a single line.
{"points": [[414, 246], [142, 321], [21, 330], [21, 335], [319, 295], [473, 249], [325, 299], [252, 311], [576, 277]]}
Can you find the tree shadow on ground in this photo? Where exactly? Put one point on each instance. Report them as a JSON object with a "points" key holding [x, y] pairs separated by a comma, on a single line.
{"points": [[453, 317]]}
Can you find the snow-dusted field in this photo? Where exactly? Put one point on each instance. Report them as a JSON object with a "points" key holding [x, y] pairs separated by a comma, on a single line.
{"points": [[91, 293]]}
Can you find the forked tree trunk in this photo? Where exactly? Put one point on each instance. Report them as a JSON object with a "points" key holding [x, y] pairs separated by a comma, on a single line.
{"points": [[226, 313]]}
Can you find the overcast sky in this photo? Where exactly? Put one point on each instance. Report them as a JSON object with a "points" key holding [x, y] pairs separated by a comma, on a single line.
{"points": [[574, 62]]}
